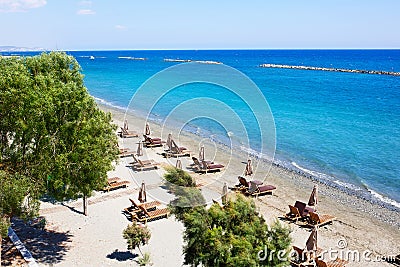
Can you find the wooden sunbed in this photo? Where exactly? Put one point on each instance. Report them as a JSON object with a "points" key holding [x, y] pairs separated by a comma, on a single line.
{"points": [[144, 162], [256, 189], [298, 211], [115, 183], [127, 133], [141, 166], [152, 142], [126, 153], [135, 207], [145, 216], [206, 166], [176, 151], [294, 214], [336, 263], [318, 220]]}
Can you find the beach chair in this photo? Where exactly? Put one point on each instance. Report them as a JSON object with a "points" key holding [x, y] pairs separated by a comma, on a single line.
{"points": [[302, 257], [145, 216], [319, 220], [256, 189], [294, 214], [128, 133], [124, 152], [145, 162], [135, 207], [152, 142], [303, 209], [141, 166], [336, 263], [208, 167], [115, 183], [177, 151], [242, 186]]}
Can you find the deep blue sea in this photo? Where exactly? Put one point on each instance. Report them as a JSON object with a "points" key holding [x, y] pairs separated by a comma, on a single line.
{"points": [[341, 127]]}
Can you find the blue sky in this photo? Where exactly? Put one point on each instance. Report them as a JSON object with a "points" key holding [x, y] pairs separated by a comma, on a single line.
{"points": [[205, 24]]}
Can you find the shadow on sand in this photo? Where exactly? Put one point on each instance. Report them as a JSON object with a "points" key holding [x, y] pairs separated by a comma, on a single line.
{"points": [[48, 247], [122, 255]]}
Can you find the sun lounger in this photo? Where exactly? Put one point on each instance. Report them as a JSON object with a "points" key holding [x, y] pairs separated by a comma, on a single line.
{"points": [[152, 142], [127, 133], [256, 189], [176, 151], [206, 166], [336, 263], [135, 207], [243, 185], [303, 209], [141, 166], [144, 162], [294, 214], [115, 183], [126, 153], [318, 220], [301, 257], [145, 216]]}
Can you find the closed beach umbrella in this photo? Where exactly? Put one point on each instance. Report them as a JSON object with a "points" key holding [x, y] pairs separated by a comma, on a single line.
{"points": [[142, 193], [147, 130], [224, 193], [249, 169], [201, 153], [178, 164], [311, 244], [169, 141], [139, 151], [313, 201], [125, 125]]}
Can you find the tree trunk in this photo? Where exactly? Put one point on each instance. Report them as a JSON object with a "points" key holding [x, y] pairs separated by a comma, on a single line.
{"points": [[85, 203], [1, 241], [140, 251]]}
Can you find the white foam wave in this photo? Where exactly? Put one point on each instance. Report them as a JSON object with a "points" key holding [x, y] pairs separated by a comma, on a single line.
{"points": [[384, 199], [104, 102], [311, 172]]}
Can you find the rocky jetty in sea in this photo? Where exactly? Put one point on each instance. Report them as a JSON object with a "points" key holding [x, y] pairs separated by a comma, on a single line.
{"points": [[380, 72]]}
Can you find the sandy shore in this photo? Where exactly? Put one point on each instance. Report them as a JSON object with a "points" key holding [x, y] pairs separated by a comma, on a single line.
{"points": [[96, 240]]}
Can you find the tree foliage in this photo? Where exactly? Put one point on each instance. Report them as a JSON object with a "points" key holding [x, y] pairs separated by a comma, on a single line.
{"points": [[179, 177], [51, 128], [233, 235], [136, 236], [183, 185]]}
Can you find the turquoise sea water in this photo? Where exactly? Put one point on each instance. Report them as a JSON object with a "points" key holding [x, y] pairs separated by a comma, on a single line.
{"points": [[339, 127]]}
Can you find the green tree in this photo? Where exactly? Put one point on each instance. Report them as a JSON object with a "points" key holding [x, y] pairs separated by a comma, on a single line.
{"points": [[51, 128], [136, 236], [183, 185], [16, 199], [233, 235]]}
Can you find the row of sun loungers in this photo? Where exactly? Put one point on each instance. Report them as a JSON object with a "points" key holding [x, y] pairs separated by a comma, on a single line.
{"points": [[146, 212]]}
